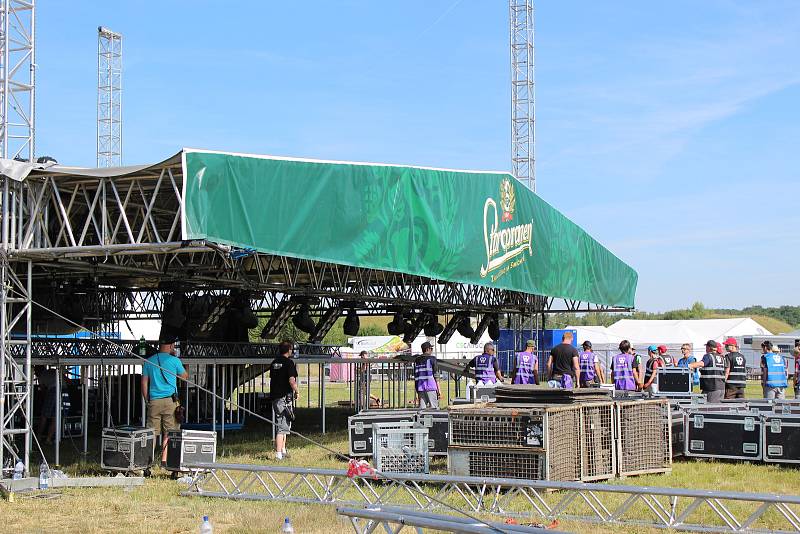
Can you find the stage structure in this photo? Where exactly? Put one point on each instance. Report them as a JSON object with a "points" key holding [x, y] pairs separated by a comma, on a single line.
{"points": [[109, 98], [17, 79], [523, 94], [206, 240]]}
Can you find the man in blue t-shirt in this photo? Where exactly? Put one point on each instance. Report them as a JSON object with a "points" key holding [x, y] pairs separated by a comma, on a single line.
{"points": [[160, 390]]}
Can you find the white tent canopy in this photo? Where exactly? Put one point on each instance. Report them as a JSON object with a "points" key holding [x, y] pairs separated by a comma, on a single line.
{"points": [[672, 333]]}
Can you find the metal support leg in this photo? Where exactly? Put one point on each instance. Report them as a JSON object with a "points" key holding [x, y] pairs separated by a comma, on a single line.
{"points": [[214, 396], [59, 408], [322, 394], [85, 409]]}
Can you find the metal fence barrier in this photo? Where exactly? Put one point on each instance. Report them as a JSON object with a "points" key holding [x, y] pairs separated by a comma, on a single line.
{"points": [[629, 506]]}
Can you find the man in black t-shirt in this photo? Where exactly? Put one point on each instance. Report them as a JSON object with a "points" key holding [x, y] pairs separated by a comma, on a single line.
{"points": [[283, 391], [563, 365]]}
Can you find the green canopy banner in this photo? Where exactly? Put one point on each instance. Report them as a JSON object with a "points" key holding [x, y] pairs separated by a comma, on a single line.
{"points": [[470, 227]]}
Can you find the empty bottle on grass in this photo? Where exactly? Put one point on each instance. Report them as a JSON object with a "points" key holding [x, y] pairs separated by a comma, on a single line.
{"points": [[287, 527], [44, 476], [205, 526], [19, 469]]}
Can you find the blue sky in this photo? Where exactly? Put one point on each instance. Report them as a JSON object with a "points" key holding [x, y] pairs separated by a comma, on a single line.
{"points": [[670, 131]]}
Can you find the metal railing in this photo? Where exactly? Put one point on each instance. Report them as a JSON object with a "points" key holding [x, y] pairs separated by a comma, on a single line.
{"points": [[629, 506]]}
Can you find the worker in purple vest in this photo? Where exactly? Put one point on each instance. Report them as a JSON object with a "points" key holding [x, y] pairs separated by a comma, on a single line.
{"points": [[591, 372], [486, 366], [425, 382], [527, 369], [623, 370]]}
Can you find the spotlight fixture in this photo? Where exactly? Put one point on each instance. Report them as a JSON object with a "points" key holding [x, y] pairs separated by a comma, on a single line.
{"points": [[396, 325], [303, 321], [351, 323], [464, 327], [494, 328], [433, 327]]}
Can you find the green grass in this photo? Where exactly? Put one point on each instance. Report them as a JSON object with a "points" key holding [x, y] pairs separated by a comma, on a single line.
{"points": [[157, 506]]}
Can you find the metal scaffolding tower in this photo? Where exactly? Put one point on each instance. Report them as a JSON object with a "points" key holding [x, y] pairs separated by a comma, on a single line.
{"points": [[109, 98], [17, 79], [17, 129], [523, 95]]}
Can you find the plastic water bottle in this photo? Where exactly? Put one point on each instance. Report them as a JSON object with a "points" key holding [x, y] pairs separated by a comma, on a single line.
{"points": [[19, 469], [44, 476], [287, 527], [205, 526]]}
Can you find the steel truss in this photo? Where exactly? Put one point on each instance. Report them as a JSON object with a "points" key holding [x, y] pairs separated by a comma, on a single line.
{"points": [[17, 79], [123, 233], [523, 96], [640, 506], [71, 350], [109, 98], [15, 366], [394, 520]]}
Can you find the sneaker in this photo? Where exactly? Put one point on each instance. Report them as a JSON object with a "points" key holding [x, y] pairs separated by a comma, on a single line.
{"points": [[279, 456], [286, 454]]}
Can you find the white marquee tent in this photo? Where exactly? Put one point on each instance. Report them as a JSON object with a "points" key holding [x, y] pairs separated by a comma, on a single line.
{"points": [[672, 333]]}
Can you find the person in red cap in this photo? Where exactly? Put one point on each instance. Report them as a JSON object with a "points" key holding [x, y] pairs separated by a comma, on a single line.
{"points": [[666, 359], [735, 371]]}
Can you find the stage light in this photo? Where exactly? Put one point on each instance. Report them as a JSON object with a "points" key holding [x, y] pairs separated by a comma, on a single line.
{"points": [[351, 323], [396, 326], [465, 328], [494, 328], [303, 321], [433, 328]]}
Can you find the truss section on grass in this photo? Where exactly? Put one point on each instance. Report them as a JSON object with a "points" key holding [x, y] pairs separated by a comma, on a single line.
{"points": [[629, 506], [393, 520]]}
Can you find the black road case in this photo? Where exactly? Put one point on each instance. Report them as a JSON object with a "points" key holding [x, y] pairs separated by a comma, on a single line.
{"points": [[781, 438], [359, 427], [678, 433], [732, 435], [127, 448], [674, 380], [438, 424], [190, 447]]}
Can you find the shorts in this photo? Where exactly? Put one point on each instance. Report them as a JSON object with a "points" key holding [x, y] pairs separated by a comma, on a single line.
{"points": [[280, 410], [428, 399], [49, 405], [734, 393], [161, 415], [774, 393], [715, 395]]}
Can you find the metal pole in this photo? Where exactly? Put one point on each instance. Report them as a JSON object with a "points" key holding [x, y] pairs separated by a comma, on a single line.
{"points": [[322, 395], [222, 402], [28, 373], [85, 409], [59, 407], [214, 396]]}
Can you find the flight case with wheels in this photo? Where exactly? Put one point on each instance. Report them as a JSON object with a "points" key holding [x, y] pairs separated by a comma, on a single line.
{"points": [[781, 438], [190, 447], [732, 435], [127, 448], [359, 427]]}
